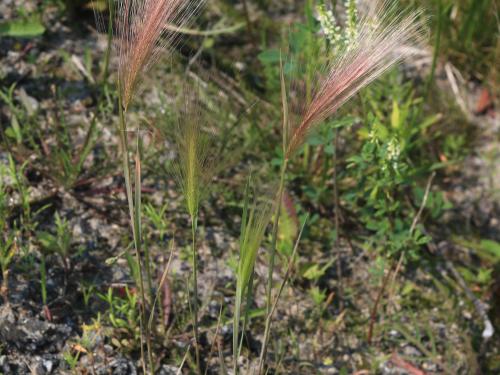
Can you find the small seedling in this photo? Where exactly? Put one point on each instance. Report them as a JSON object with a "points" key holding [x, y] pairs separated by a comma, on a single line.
{"points": [[158, 219], [58, 243]]}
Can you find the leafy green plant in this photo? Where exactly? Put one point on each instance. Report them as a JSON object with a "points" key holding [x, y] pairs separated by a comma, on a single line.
{"points": [[71, 359], [158, 219], [65, 160], [88, 292], [14, 131], [385, 169], [372, 48], [22, 28], [19, 182], [318, 296], [7, 242], [194, 170], [7, 253], [122, 313], [58, 243], [68, 158]]}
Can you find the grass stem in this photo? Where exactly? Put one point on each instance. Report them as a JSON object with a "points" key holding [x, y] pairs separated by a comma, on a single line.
{"points": [[107, 56], [276, 300], [135, 217], [340, 287], [194, 227], [437, 48], [272, 260]]}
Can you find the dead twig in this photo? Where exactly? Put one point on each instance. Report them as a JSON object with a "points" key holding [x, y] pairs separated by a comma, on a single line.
{"points": [[488, 330], [408, 367], [424, 203]]}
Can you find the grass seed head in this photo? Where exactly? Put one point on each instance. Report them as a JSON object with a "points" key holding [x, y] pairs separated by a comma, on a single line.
{"points": [[384, 38], [141, 36], [197, 161]]}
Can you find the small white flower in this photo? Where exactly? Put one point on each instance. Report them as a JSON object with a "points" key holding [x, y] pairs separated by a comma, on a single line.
{"points": [[329, 25], [351, 31], [393, 149], [393, 152], [372, 136]]}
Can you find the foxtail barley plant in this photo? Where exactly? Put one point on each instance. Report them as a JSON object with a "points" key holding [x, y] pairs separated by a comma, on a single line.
{"points": [[140, 37], [380, 43], [384, 38], [195, 168]]}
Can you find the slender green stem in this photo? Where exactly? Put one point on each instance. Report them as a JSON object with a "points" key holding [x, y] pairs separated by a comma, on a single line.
{"points": [[247, 311], [272, 256], [236, 323], [239, 275], [276, 300], [138, 226], [245, 320], [43, 279], [147, 258], [340, 287], [272, 260], [237, 340], [437, 47], [135, 217], [149, 273], [194, 226]]}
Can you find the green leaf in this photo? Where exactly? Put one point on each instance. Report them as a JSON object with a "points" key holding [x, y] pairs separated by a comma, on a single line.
{"points": [[491, 247], [47, 240], [343, 122], [22, 28], [317, 295], [429, 121], [270, 56], [484, 276], [16, 129], [315, 140], [314, 272], [488, 250]]}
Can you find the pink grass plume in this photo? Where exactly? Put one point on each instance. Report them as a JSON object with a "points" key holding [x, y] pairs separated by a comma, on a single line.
{"points": [[141, 36], [384, 38]]}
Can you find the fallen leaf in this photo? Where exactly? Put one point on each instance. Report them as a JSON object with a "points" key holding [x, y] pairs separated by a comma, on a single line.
{"points": [[402, 364], [484, 102]]}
